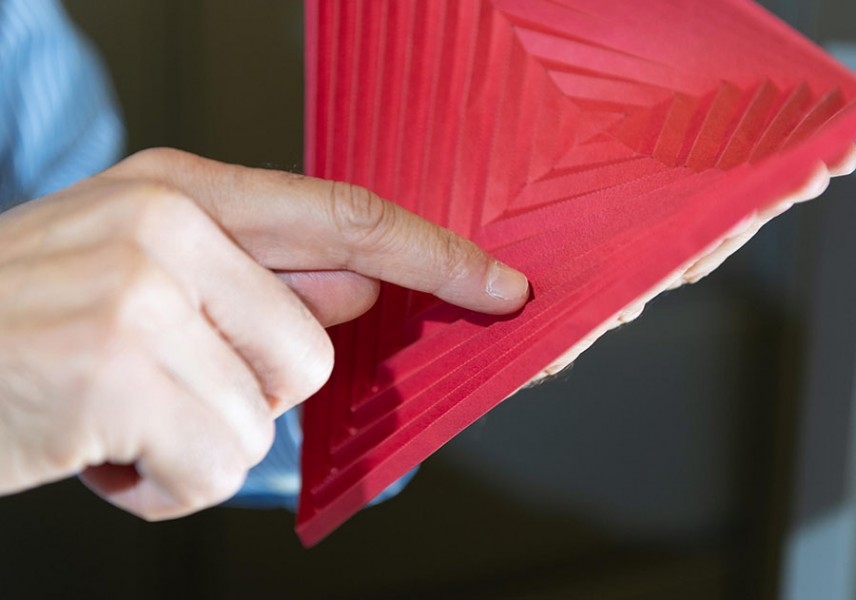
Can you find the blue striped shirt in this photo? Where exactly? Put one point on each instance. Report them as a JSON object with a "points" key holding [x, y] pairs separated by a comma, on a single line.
{"points": [[59, 123]]}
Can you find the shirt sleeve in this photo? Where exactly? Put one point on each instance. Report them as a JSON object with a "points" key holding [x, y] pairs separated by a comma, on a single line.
{"points": [[275, 482], [59, 121]]}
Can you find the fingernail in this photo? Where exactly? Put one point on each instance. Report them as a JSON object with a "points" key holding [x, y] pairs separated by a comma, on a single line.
{"points": [[505, 283]]}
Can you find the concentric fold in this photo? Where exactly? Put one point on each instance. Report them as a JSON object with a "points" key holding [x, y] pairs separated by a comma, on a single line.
{"points": [[596, 145]]}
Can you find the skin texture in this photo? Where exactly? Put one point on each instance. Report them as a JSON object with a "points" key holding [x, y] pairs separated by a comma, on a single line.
{"points": [[156, 318]]}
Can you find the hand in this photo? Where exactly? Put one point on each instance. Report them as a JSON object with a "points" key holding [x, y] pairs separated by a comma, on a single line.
{"points": [[145, 342]]}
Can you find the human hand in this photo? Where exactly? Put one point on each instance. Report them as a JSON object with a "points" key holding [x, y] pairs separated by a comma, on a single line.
{"points": [[145, 342]]}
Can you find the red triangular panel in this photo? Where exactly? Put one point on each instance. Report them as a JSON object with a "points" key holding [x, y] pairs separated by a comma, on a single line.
{"points": [[595, 145]]}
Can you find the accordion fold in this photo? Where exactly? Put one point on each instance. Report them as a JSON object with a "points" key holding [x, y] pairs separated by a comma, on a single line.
{"points": [[596, 145]]}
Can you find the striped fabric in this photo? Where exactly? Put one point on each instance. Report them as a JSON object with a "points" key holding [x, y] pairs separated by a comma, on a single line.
{"points": [[275, 482], [59, 123]]}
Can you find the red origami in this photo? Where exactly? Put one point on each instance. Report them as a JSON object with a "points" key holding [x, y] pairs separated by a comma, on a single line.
{"points": [[598, 146]]}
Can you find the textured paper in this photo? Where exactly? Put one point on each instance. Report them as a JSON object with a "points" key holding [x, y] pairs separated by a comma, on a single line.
{"points": [[595, 145]]}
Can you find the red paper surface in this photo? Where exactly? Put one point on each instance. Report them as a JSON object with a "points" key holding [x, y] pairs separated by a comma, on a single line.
{"points": [[595, 145]]}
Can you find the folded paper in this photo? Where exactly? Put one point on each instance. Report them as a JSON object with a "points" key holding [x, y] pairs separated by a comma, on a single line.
{"points": [[596, 145]]}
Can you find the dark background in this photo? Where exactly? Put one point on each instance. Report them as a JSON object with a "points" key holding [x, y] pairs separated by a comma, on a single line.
{"points": [[662, 465]]}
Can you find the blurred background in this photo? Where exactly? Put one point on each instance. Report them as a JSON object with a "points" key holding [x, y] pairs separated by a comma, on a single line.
{"points": [[703, 451]]}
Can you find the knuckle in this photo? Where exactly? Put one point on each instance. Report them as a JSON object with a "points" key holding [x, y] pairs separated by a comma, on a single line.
{"points": [[455, 256], [309, 373], [320, 365], [127, 256], [165, 221], [161, 206], [151, 209], [145, 284], [258, 445], [357, 214], [213, 485], [147, 514], [153, 157], [65, 453], [144, 295], [224, 486], [221, 484]]}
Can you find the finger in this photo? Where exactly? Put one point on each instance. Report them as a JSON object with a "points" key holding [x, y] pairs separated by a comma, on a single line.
{"points": [[290, 222], [262, 320], [845, 164], [184, 344], [192, 419], [333, 297], [339, 226], [144, 310], [187, 457]]}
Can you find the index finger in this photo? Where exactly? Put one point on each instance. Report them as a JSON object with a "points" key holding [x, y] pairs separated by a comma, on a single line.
{"points": [[293, 222]]}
